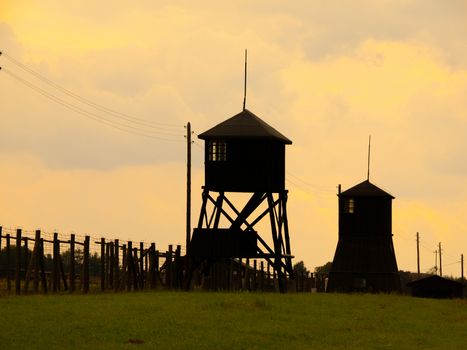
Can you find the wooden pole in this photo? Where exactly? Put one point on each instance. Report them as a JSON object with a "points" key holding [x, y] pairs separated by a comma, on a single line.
{"points": [[72, 264], [188, 187], [55, 272], [111, 265], [86, 265], [1, 238], [8, 267], [152, 255], [37, 246], [128, 263], [146, 267], [124, 267], [42, 266], [18, 262], [418, 255], [440, 261], [135, 268], [462, 267], [107, 265], [117, 265], [141, 265], [102, 264]]}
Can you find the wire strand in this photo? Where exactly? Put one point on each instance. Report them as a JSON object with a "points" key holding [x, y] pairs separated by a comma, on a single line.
{"points": [[90, 115], [124, 116]]}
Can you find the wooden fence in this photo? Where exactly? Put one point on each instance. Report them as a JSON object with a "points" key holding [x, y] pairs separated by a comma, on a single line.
{"points": [[40, 262]]}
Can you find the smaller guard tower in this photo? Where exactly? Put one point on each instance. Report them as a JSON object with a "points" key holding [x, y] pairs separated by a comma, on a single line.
{"points": [[364, 259], [243, 154]]}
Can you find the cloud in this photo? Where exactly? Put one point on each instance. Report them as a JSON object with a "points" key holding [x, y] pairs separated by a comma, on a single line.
{"points": [[325, 74]]}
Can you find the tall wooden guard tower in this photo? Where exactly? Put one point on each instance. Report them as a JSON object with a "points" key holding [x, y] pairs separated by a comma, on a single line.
{"points": [[243, 154], [365, 259]]}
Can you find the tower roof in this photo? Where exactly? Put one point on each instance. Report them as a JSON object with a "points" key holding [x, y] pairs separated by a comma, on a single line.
{"points": [[365, 189], [244, 125]]}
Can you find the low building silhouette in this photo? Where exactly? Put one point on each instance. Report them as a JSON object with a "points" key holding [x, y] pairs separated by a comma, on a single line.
{"points": [[436, 287]]}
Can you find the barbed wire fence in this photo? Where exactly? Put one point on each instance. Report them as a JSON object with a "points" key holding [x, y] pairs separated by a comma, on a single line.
{"points": [[42, 261]]}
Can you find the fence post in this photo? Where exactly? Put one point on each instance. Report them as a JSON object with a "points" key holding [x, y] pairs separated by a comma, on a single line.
{"points": [[72, 264], [111, 265], [18, 262], [129, 258], [37, 246], [141, 264], [152, 277], [102, 264], [117, 265], [42, 266], [55, 275], [86, 265], [146, 267], [124, 267], [135, 268], [8, 267], [107, 265]]}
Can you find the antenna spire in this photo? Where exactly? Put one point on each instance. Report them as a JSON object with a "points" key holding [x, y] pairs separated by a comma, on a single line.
{"points": [[369, 152], [244, 86]]}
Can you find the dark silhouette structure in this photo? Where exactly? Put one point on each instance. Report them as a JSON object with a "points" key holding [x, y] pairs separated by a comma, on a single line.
{"points": [[243, 154], [364, 260], [436, 287]]}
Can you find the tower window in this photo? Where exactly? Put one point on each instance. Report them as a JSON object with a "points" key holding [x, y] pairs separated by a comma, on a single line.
{"points": [[349, 206], [217, 151]]}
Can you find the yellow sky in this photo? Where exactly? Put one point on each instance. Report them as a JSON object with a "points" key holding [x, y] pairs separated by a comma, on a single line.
{"points": [[326, 75]]}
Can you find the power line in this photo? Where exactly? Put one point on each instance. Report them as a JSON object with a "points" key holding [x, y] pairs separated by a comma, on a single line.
{"points": [[96, 117], [308, 184], [114, 113]]}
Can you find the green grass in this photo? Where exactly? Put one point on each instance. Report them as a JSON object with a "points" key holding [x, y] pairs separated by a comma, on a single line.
{"points": [[178, 320]]}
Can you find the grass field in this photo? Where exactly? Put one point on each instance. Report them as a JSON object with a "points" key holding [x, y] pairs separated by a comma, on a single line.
{"points": [[178, 320]]}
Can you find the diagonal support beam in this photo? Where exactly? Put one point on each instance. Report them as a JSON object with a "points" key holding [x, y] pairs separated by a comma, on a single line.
{"points": [[249, 208]]}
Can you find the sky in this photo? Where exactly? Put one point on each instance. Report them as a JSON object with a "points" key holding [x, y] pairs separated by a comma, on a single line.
{"points": [[325, 74]]}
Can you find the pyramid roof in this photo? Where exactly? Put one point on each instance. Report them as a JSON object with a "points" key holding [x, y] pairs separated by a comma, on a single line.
{"points": [[365, 189], [244, 125]]}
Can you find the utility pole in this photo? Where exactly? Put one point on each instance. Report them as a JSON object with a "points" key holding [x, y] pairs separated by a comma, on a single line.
{"points": [[436, 262], [462, 267], [440, 261], [418, 256], [188, 186]]}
